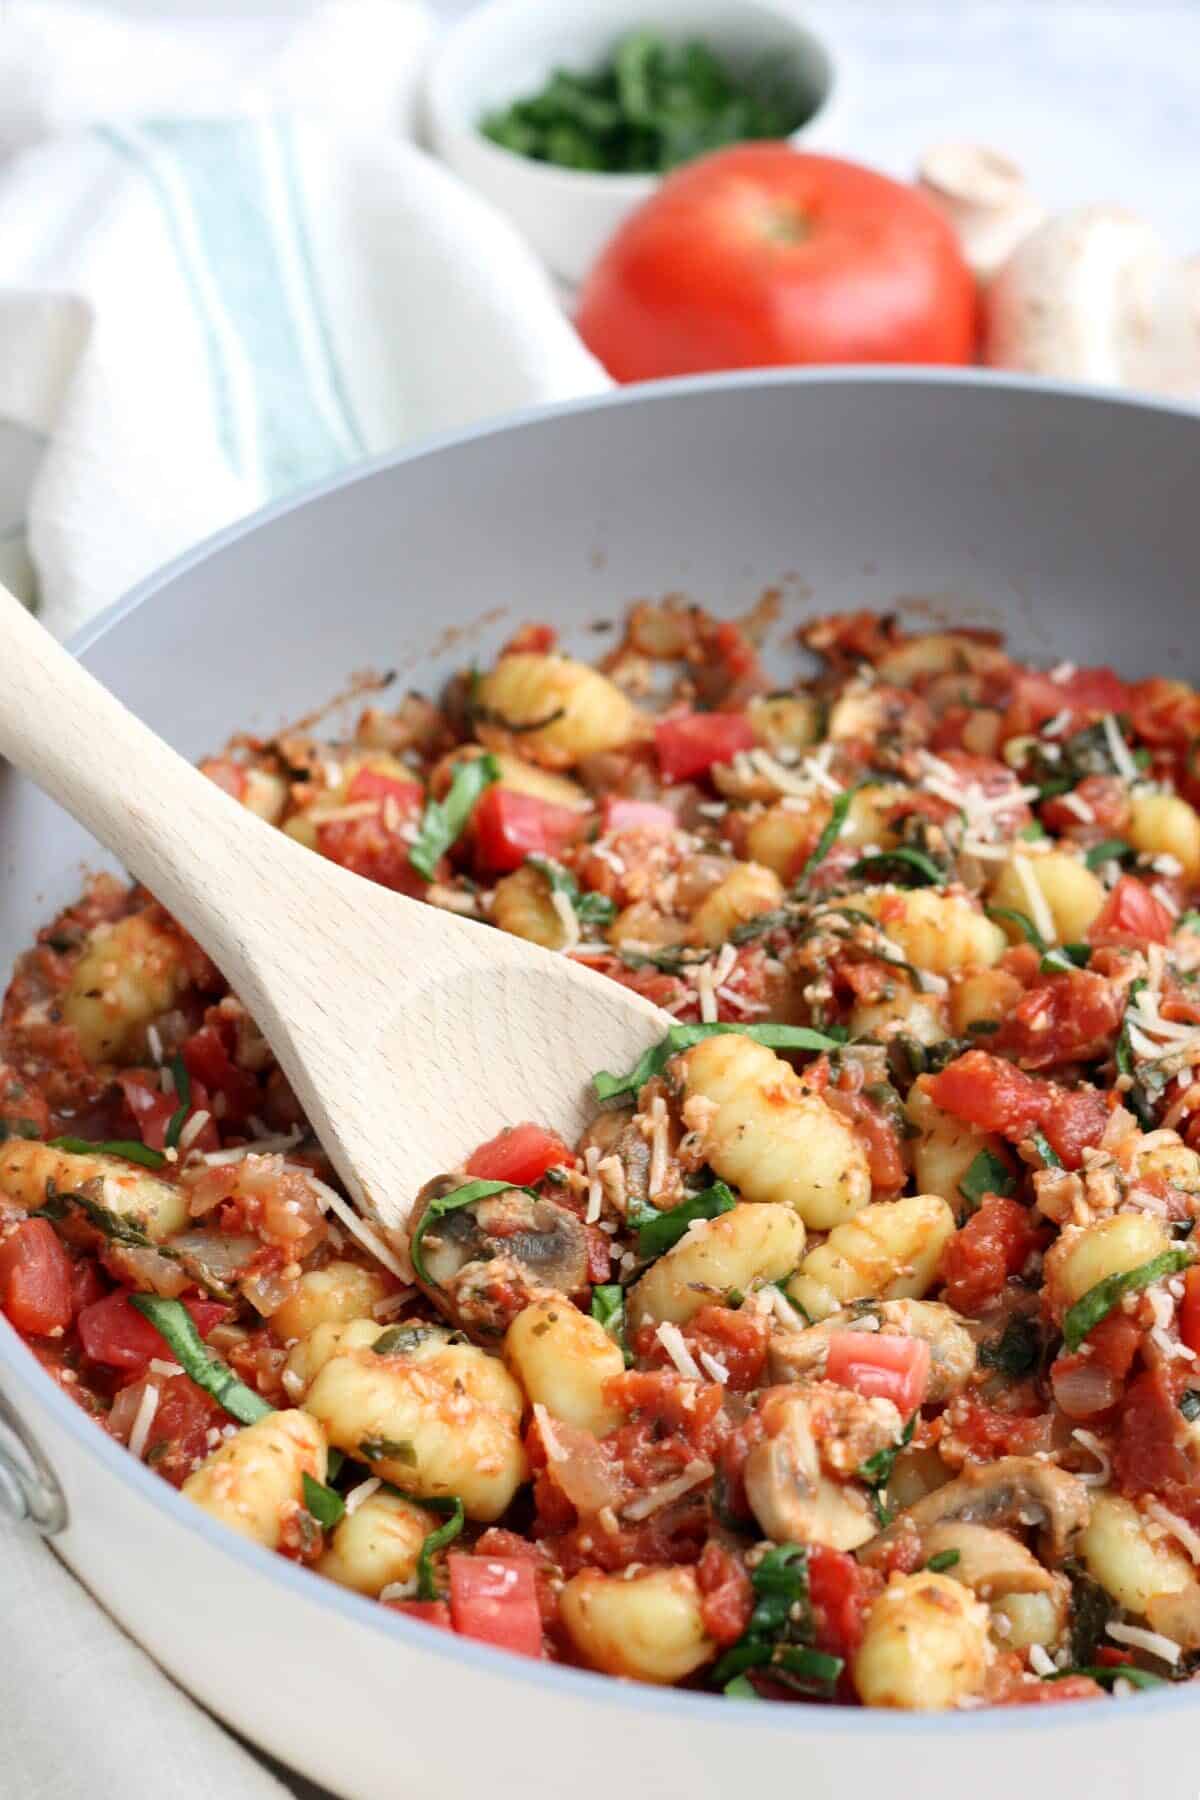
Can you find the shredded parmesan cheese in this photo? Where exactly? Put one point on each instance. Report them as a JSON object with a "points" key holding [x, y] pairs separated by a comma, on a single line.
{"points": [[1098, 1477], [193, 1128], [143, 1419], [1040, 1662], [675, 1345], [1039, 909], [712, 1365], [370, 1240], [654, 1499], [1152, 1642], [567, 918], [1122, 761], [1179, 1529], [363, 1491], [591, 1162]]}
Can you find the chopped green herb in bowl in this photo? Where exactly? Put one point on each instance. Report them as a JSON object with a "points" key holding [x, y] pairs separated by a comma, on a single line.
{"points": [[651, 106]]}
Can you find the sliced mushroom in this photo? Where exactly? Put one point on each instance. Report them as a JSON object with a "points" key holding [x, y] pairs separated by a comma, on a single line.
{"points": [[800, 1355], [985, 197], [488, 1261], [1016, 1493], [799, 1479], [615, 1134]]}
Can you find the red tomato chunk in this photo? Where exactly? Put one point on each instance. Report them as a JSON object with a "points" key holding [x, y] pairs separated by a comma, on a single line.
{"points": [[994, 1244], [880, 1366], [494, 1599], [114, 1333], [522, 1154], [691, 743], [509, 827], [36, 1279]]}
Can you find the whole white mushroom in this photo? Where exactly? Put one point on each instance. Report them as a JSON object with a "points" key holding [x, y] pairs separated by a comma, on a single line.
{"points": [[985, 197]]}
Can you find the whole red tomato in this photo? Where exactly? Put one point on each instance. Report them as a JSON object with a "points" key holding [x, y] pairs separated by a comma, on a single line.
{"points": [[761, 254]]}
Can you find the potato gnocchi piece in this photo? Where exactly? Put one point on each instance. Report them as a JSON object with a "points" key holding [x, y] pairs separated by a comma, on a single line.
{"points": [[785, 721], [564, 1360], [332, 1295], [440, 1419], [741, 1249], [29, 1169], [524, 905], [936, 653], [377, 1544], [945, 1147], [303, 825], [562, 710], [1029, 1604], [926, 1645], [1083, 1257], [1072, 894], [646, 1627], [1148, 1576], [889, 1251], [255, 1481], [747, 890], [1165, 825], [307, 1358], [516, 776], [982, 996], [128, 975], [771, 1137], [941, 934], [903, 1010]]}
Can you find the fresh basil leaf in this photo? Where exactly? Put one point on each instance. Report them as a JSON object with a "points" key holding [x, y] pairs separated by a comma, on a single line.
{"points": [[1111, 850], [988, 1174], [900, 865], [741, 1688], [1033, 831], [1099, 1301], [1105, 1674], [758, 927], [1049, 1155], [1016, 1352], [829, 836], [375, 1448], [1189, 1404], [782, 1612], [397, 1340], [807, 1671], [1023, 923], [172, 1320], [608, 1310], [128, 1148], [326, 1507], [467, 1195], [437, 1540], [682, 1037], [589, 908], [444, 821], [1091, 1610], [945, 1559], [183, 1093], [1064, 959], [1124, 1049], [334, 1459], [658, 1231], [111, 1225], [876, 1472]]}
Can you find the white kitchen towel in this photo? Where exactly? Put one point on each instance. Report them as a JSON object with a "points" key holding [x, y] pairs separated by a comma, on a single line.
{"points": [[85, 1714], [221, 279]]}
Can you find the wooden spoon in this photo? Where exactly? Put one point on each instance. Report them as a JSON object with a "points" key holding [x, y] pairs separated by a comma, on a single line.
{"points": [[408, 1034]]}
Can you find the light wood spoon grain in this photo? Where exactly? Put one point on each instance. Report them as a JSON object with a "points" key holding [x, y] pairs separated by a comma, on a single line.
{"points": [[408, 1034]]}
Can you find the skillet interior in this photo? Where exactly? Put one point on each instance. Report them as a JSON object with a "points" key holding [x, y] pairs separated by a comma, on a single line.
{"points": [[1068, 519]]}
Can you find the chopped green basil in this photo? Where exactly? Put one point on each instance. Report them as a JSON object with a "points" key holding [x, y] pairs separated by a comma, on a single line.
{"points": [[988, 1174], [945, 1559], [1031, 832], [741, 1688], [781, 1626], [589, 908], [1124, 1050], [399, 1339], [608, 1310], [113, 1226], [443, 821], [900, 865], [658, 1231], [172, 1320], [183, 1093], [128, 1148], [830, 835], [1091, 1610], [375, 1448], [1111, 850], [1099, 1301], [325, 1506], [758, 927], [876, 1472], [437, 1540], [1189, 1404], [1064, 959], [467, 1195], [682, 1037], [1044, 1148], [1106, 1674], [1023, 923]]}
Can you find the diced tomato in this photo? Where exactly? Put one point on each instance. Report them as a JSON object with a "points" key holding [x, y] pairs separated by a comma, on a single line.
{"points": [[1037, 697], [1050, 1693], [432, 1612], [370, 784], [878, 1134], [87, 1284], [841, 1591], [635, 815], [509, 827], [208, 1060], [987, 1433], [153, 1110], [1063, 1018], [1131, 915], [181, 1432], [880, 1366], [1104, 797], [726, 1596], [35, 1278], [531, 639], [373, 846], [993, 1094], [691, 743], [1189, 1311], [114, 1333], [1149, 1455], [522, 1154], [1165, 712], [993, 1245], [494, 1599]]}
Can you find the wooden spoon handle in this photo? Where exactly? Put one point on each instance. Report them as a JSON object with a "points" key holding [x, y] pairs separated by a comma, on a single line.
{"points": [[193, 846]]}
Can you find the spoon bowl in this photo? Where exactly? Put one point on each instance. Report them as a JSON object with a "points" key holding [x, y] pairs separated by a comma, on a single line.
{"points": [[408, 1034]]}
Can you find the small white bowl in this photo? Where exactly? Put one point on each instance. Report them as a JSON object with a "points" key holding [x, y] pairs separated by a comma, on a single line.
{"points": [[506, 51]]}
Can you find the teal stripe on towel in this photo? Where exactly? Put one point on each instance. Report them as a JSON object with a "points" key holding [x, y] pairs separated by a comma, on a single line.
{"points": [[251, 255], [220, 382]]}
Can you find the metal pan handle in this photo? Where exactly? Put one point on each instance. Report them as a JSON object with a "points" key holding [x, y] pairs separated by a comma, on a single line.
{"points": [[29, 1490]]}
